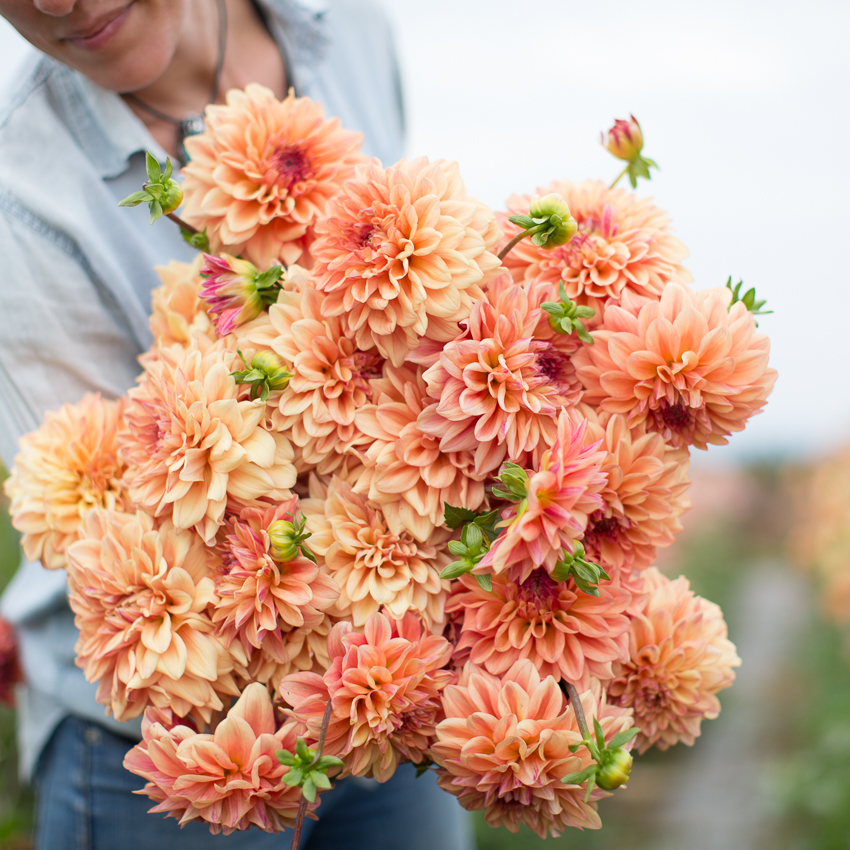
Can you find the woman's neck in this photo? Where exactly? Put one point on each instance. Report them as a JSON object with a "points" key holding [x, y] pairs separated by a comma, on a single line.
{"points": [[250, 55]]}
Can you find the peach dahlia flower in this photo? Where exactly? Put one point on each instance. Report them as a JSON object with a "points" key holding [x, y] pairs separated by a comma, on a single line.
{"points": [[231, 779], [402, 254], [140, 594], [564, 632], [330, 377], [561, 494], [178, 311], [373, 566], [690, 366], [261, 598], [679, 658], [644, 495], [623, 242], [499, 387], [406, 472], [192, 439], [262, 171], [384, 685], [504, 747], [65, 468]]}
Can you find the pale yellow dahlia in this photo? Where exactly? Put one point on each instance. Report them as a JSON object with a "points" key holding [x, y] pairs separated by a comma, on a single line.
{"points": [[64, 469], [330, 377], [372, 566], [644, 495], [505, 746], [262, 171], [406, 472], [679, 658], [565, 633], [231, 779], [691, 366], [623, 242], [178, 313], [384, 685], [193, 438], [499, 388], [403, 253], [140, 594]]}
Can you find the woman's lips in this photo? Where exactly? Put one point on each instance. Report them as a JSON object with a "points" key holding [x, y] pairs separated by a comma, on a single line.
{"points": [[100, 33]]}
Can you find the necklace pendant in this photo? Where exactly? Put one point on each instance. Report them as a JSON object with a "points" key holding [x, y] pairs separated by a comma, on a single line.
{"points": [[191, 125]]}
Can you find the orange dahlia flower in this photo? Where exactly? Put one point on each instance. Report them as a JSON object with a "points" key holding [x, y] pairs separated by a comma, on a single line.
{"points": [[559, 497], [504, 748], [64, 469], [623, 242], [384, 685], [644, 495], [330, 377], [262, 171], [564, 632], [192, 438], [691, 366], [140, 594], [403, 253], [406, 472], [372, 566], [260, 597], [499, 387], [231, 779], [679, 658]]}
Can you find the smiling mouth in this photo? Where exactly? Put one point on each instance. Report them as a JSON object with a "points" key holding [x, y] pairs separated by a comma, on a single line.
{"points": [[100, 31]]}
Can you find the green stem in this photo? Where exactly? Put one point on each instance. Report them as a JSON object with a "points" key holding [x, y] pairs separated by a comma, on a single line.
{"points": [[620, 176], [302, 806], [182, 224], [575, 702], [518, 238]]}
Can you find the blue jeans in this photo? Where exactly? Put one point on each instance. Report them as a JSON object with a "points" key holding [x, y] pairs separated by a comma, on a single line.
{"points": [[84, 801]]}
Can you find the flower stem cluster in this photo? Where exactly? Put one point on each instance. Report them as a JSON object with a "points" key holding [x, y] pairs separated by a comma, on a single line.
{"points": [[748, 299], [265, 374], [613, 763], [308, 769], [514, 479], [287, 540], [548, 223], [565, 316], [161, 193], [584, 573], [479, 531], [625, 141]]}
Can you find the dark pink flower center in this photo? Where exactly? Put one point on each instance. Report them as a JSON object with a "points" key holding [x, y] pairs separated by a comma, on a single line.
{"points": [[538, 588], [677, 417], [288, 166]]}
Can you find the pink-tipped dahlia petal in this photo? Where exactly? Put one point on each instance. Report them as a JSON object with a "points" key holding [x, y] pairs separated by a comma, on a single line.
{"points": [[230, 780], [65, 468], [679, 658], [385, 685], [262, 171], [504, 748], [402, 254], [140, 594], [690, 366], [623, 243]]}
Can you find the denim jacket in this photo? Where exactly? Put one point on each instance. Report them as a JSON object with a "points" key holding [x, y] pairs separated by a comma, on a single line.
{"points": [[77, 273]]}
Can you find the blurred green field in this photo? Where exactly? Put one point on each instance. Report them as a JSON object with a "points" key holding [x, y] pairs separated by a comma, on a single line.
{"points": [[801, 786]]}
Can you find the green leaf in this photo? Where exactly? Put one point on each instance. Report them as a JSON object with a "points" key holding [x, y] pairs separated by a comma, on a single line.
{"points": [[455, 569], [580, 777], [152, 167], [600, 735], [456, 517], [582, 334], [641, 169], [487, 523], [623, 737], [308, 789], [485, 582], [143, 197], [269, 277], [168, 170]]}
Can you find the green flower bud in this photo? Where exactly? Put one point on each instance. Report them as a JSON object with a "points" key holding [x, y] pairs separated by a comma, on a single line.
{"points": [[284, 540], [514, 481], [277, 375], [614, 768], [561, 225], [171, 196]]}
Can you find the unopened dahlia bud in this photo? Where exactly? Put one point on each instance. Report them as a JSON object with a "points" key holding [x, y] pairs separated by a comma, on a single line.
{"points": [[161, 193], [265, 374], [625, 139], [554, 208], [287, 540], [514, 481], [614, 768]]}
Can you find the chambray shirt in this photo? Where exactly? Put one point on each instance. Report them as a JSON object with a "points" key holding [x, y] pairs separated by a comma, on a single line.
{"points": [[76, 274]]}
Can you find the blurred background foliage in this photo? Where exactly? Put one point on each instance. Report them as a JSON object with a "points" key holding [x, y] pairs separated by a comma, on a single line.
{"points": [[774, 770]]}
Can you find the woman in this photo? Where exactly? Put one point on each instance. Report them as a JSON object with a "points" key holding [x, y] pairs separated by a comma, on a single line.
{"points": [[120, 77]]}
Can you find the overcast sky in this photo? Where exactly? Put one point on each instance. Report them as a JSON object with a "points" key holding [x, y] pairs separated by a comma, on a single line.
{"points": [[744, 106]]}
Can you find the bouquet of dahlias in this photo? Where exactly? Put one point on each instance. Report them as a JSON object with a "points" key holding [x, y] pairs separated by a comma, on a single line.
{"points": [[392, 481]]}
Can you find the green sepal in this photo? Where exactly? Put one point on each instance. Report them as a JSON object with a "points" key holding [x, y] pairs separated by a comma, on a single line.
{"points": [[303, 751], [287, 758], [198, 240], [457, 548], [485, 582], [514, 480], [580, 777], [455, 569], [294, 777], [565, 315], [622, 738], [152, 168], [422, 769], [268, 278], [523, 221], [320, 780], [748, 299], [472, 537], [327, 762], [308, 789], [600, 735], [141, 197], [590, 785], [156, 211]]}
